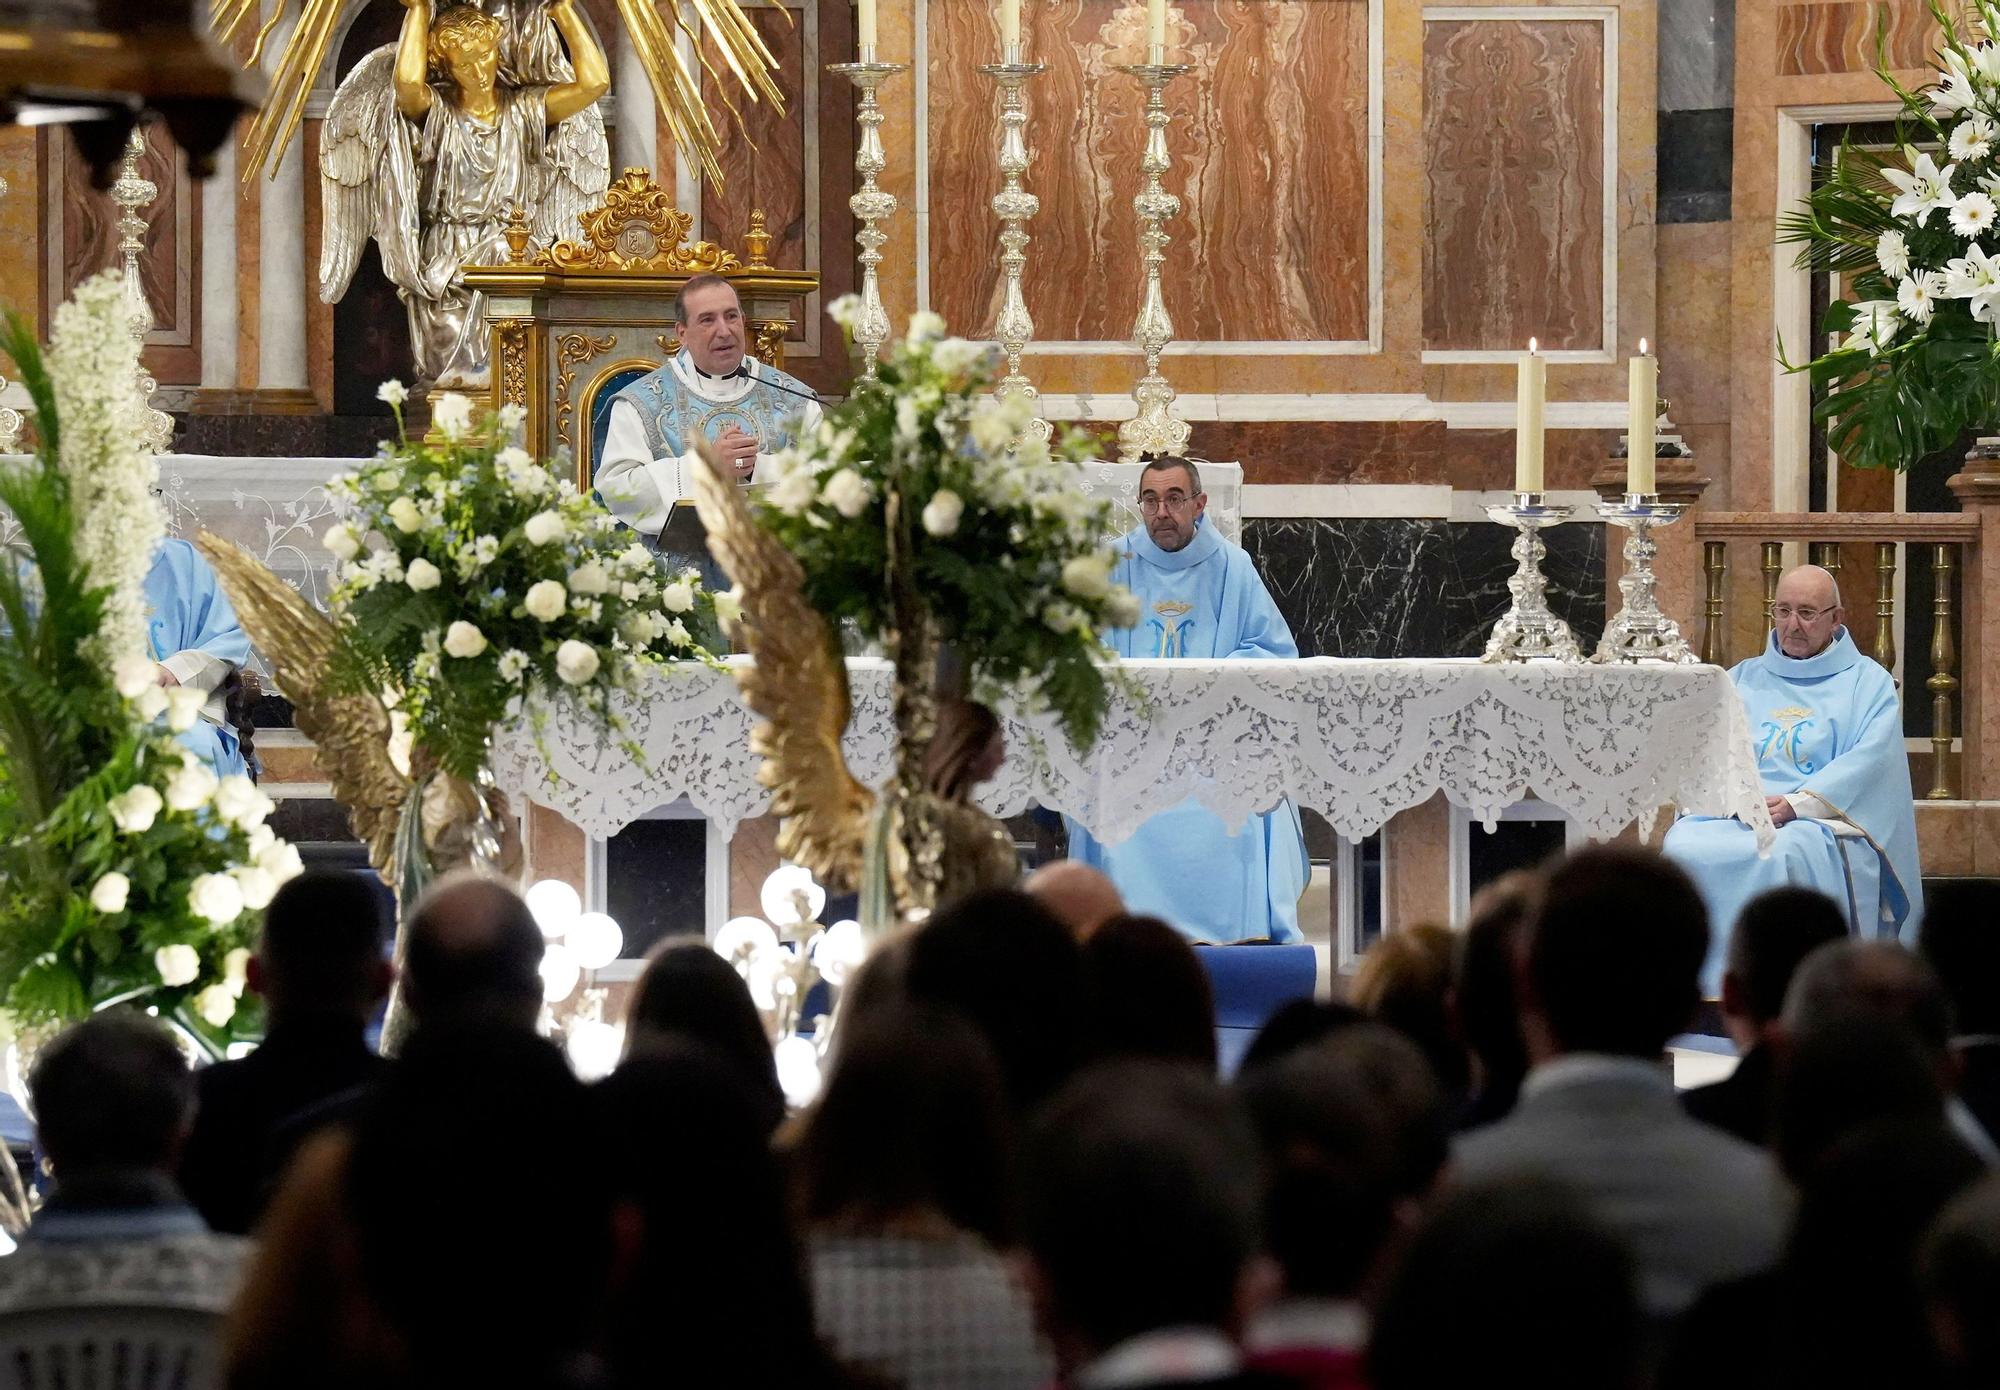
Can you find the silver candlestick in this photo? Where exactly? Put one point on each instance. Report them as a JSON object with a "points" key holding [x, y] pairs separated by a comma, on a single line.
{"points": [[1641, 632], [870, 205], [1529, 630], [11, 420], [132, 193], [1155, 429], [1014, 205]]}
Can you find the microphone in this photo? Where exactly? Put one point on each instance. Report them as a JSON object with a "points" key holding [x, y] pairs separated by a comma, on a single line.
{"points": [[743, 370]]}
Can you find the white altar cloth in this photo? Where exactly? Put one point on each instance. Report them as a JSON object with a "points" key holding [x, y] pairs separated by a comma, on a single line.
{"points": [[1357, 741]]}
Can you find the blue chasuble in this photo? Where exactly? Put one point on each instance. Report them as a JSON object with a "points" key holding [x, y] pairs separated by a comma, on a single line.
{"points": [[675, 412], [187, 611], [1828, 726], [1183, 865]]}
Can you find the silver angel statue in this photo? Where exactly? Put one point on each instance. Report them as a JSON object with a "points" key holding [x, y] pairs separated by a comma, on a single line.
{"points": [[432, 142]]}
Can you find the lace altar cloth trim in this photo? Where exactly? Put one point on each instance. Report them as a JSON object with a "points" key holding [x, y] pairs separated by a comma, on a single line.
{"points": [[1356, 741]]}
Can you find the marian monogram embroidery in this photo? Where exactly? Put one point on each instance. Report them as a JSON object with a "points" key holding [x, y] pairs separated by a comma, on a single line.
{"points": [[1170, 621], [1782, 734]]}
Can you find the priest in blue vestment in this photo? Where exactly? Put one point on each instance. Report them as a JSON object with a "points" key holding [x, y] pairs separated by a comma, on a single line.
{"points": [[1828, 731], [712, 390], [194, 637], [1200, 596]]}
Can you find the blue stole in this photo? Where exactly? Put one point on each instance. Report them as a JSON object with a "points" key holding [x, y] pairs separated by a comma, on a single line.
{"points": [[675, 414]]}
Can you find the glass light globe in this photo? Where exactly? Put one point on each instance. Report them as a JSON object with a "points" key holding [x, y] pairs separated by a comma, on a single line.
{"points": [[594, 1047], [555, 906], [790, 896], [798, 1070], [595, 940], [838, 951], [560, 972], [744, 938], [762, 973]]}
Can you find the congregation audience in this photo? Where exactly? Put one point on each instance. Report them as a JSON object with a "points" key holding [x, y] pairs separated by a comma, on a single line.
{"points": [[1021, 1171], [1081, 897], [1774, 933], [320, 970]]}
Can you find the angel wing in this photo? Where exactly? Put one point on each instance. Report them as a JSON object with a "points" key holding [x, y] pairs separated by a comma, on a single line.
{"points": [[799, 685], [576, 171], [350, 731], [367, 179]]}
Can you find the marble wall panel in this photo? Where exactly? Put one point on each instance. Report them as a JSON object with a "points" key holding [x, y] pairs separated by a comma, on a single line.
{"points": [[1270, 150], [1514, 221], [1841, 37], [763, 154], [1392, 451], [85, 240], [20, 218], [1407, 587]]}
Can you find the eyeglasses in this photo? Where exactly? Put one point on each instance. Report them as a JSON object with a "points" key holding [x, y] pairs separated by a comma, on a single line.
{"points": [[1151, 502], [1808, 616]]}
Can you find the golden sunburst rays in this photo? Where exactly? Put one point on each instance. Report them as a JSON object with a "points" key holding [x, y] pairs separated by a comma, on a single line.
{"points": [[675, 82]]}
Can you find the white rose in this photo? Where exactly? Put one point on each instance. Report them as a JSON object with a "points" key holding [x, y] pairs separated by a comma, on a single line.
{"points": [[942, 512], [676, 633], [258, 887], [134, 809], [512, 416], [109, 893], [636, 556], [215, 898], [589, 578], [576, 662], [847, 492], [341, 542], [729, 605], [406, 515], [925, 327], [281, 861], [216, 1005], [259, 839], [846, 312], [1087, 576], [177, 964], [463, 639], [546, 600], [678, 596], [422, 575], [1122, 608], [134, 675], [544, 527], [183, 707], [956, 355], [236, 970], [793, 492], [392, 393], [191, 787], [150, 703], [239, 803], [451, 413]]}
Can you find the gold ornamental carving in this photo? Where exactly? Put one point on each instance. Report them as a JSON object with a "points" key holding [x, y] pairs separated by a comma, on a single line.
{"points": [[511, 335], [574, 350], [638, 228]]}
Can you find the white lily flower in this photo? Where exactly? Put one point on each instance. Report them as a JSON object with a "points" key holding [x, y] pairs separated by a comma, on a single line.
{"points": [[1875, 325], [1923, 190], [1973, 275]]}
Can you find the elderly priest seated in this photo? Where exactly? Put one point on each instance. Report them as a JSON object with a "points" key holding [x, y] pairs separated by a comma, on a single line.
{"points": [[1200, 596], [1829, 738]]}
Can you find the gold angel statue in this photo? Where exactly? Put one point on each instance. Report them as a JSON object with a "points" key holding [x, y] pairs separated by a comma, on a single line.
{"points": [[433, 141], [921, 842]]}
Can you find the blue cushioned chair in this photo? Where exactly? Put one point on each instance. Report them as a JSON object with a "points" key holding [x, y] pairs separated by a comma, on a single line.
{"points": [[1250, 983]]}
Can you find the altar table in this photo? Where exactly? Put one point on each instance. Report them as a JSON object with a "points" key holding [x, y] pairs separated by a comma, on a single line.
{"points": [[1357, 741]]}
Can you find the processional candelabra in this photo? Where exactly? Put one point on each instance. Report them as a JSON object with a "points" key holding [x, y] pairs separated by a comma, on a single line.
{"points": [[1014, 205], [871, 205], [11, 419], [133, 193], [1155, 429]]}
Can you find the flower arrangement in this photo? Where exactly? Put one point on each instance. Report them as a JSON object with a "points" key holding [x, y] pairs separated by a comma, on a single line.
{"points": [[475, 583], [1915, 242], [999, 544], [129, 872]]}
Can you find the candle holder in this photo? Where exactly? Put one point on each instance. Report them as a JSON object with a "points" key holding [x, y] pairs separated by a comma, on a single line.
{"points": [[1014, 205], [11, 420], [132, 193], [870, 205], [1529, 631], [1641, 632], [1155, 429]]}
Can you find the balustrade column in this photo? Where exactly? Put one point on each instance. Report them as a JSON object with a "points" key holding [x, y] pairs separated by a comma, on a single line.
{"points": [[1978, 490], [1714, 641], [1942, 683], [1885, 603]]}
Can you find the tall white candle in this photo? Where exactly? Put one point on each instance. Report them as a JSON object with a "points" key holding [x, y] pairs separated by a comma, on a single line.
{"points": [[1156, 24], [1641, 405], [1530, 397], [864, 24], [1010, 29]]}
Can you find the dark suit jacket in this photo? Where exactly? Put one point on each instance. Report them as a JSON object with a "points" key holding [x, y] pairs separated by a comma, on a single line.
{"points": [[1740, 1103], [246, 1127], [1979, 1083]]}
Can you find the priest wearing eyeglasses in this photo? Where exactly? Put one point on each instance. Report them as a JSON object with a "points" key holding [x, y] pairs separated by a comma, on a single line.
{"points": [[1828, 733], [1200, 596]]}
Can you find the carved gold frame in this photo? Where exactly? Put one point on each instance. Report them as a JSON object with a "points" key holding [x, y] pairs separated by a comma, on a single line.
{"points": [[586, 466]]}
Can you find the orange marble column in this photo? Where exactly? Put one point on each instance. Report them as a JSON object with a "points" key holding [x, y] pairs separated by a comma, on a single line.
{"points": [[1416, 855]]}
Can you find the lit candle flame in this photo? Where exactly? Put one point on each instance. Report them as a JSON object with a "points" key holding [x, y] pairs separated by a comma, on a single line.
{"points": [[1531, 345], [1642, 347]]}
